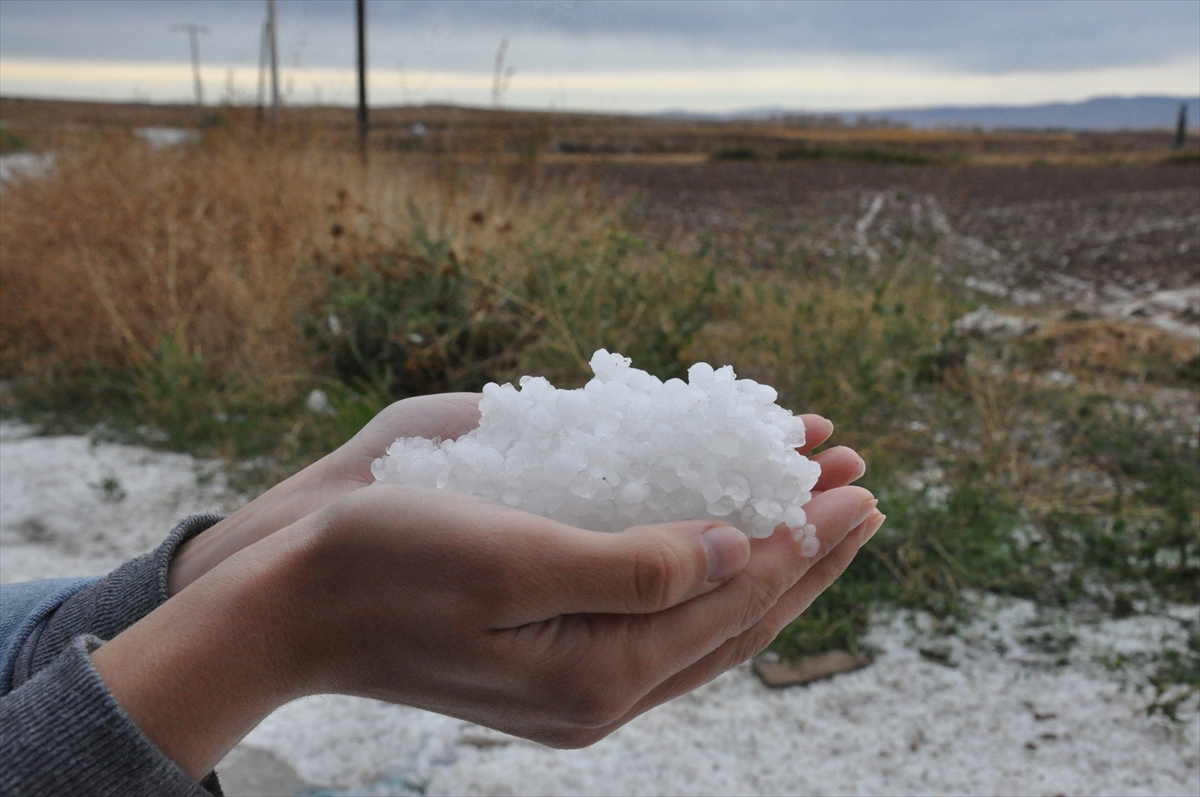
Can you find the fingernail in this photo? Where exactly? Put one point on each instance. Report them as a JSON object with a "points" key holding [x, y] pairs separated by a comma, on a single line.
{"points": [[727, 550], [828, 430], [873, 525], [864, 512], [862, 467]]}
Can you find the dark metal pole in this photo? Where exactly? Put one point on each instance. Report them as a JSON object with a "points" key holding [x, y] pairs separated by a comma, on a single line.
{"points": [[263, 45], [192, 31], [361, 8], [274, 61]]}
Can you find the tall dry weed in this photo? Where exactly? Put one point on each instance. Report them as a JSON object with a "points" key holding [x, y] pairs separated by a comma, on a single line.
{"points": [[216, 250], [125, 248]]}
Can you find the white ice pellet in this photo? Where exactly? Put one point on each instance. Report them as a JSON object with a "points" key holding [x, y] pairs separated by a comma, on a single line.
{"points": [[810, 546], [627, 449]]}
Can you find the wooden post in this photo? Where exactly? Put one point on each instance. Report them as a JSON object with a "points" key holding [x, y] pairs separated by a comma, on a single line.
{"points": [[1181, 127]]}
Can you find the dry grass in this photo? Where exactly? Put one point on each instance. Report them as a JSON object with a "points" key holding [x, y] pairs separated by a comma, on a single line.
{"points": [[1125, 351], [195, 295], [834, 348], [199, 283], [219, 249], [582, 138], [127, 248]]}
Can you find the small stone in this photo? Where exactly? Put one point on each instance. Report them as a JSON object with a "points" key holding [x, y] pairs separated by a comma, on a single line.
{"points": [[777, 673]]}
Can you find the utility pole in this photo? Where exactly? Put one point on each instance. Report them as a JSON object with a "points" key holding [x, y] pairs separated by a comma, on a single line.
{"points": [[194, 32], [361, 8], [1181, 127], [273, 50], [261, 98], [500, 77]]}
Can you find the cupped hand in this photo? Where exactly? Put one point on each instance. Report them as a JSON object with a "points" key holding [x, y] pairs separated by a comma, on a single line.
{"points": [[577, 631], [458, 605], [448, 416]]}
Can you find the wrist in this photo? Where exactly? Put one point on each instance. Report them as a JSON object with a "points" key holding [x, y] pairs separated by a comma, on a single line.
{"points": [[201, 671], [282, 505]]}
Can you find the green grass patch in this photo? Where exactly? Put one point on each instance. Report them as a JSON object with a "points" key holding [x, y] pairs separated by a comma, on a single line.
{"points": [[11, 141], [1186, 157], [734, 154], [861, 154]]}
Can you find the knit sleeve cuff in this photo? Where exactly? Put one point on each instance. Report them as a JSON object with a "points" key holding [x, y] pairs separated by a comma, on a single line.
{"points": [[63, 732], [110, 605]]}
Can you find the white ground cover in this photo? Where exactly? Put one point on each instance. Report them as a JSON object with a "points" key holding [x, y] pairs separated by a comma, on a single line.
{"points": [[1020, 712], [24, 164]]}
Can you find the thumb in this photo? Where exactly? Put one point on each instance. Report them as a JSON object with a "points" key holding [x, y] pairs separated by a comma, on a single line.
{"points": [[647, 568]]}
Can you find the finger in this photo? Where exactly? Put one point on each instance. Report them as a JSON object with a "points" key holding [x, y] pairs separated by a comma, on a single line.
{"points": [[752, 641], [816, 431], [640, 570], [445, 415], [818, 579], [649, 569], [521, 568], [634, 653], [671, 640], [839, 466], [776, 564]]}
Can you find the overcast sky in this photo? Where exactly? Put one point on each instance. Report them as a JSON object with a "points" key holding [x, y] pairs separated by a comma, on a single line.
{"points": [[595, 55]]}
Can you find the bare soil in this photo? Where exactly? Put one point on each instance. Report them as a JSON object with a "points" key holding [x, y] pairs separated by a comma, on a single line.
{"points": [[1134, 227]]}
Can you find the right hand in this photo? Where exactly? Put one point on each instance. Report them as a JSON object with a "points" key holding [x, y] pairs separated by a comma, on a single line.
{"points": [[458, 605]]}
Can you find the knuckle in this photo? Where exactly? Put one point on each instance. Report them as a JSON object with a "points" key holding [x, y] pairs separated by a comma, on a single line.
{"points": [[839, 567], [761, 598], [595, 708], [654, 569], [573, 738], [752, 643], [837, 562]]}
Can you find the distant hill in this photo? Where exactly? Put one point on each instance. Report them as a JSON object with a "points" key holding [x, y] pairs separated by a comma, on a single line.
{"points": [[1098, 113]]}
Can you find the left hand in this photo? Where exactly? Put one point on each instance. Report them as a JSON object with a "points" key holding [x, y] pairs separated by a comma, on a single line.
{"points": [[446, 415]]}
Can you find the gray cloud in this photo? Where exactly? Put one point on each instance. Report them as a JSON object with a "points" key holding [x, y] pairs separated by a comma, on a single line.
{"points": [[978, 36]]}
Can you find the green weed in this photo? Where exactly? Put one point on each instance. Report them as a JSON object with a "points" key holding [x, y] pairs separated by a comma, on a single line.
{"points": [[860, 154]]}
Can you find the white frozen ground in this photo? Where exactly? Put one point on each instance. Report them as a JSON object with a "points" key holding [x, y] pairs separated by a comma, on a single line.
{"points": [[1007, 718]]}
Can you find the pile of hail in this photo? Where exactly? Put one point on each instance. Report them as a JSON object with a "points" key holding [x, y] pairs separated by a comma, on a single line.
{"points": [[627, 449]]}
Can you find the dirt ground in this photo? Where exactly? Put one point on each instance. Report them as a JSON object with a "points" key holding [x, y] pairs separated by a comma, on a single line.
{"points": [[1134, 227]]}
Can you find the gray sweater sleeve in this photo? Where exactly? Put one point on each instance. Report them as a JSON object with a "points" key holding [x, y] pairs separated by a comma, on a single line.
{"points": [[61, 731], [111, 605]]}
